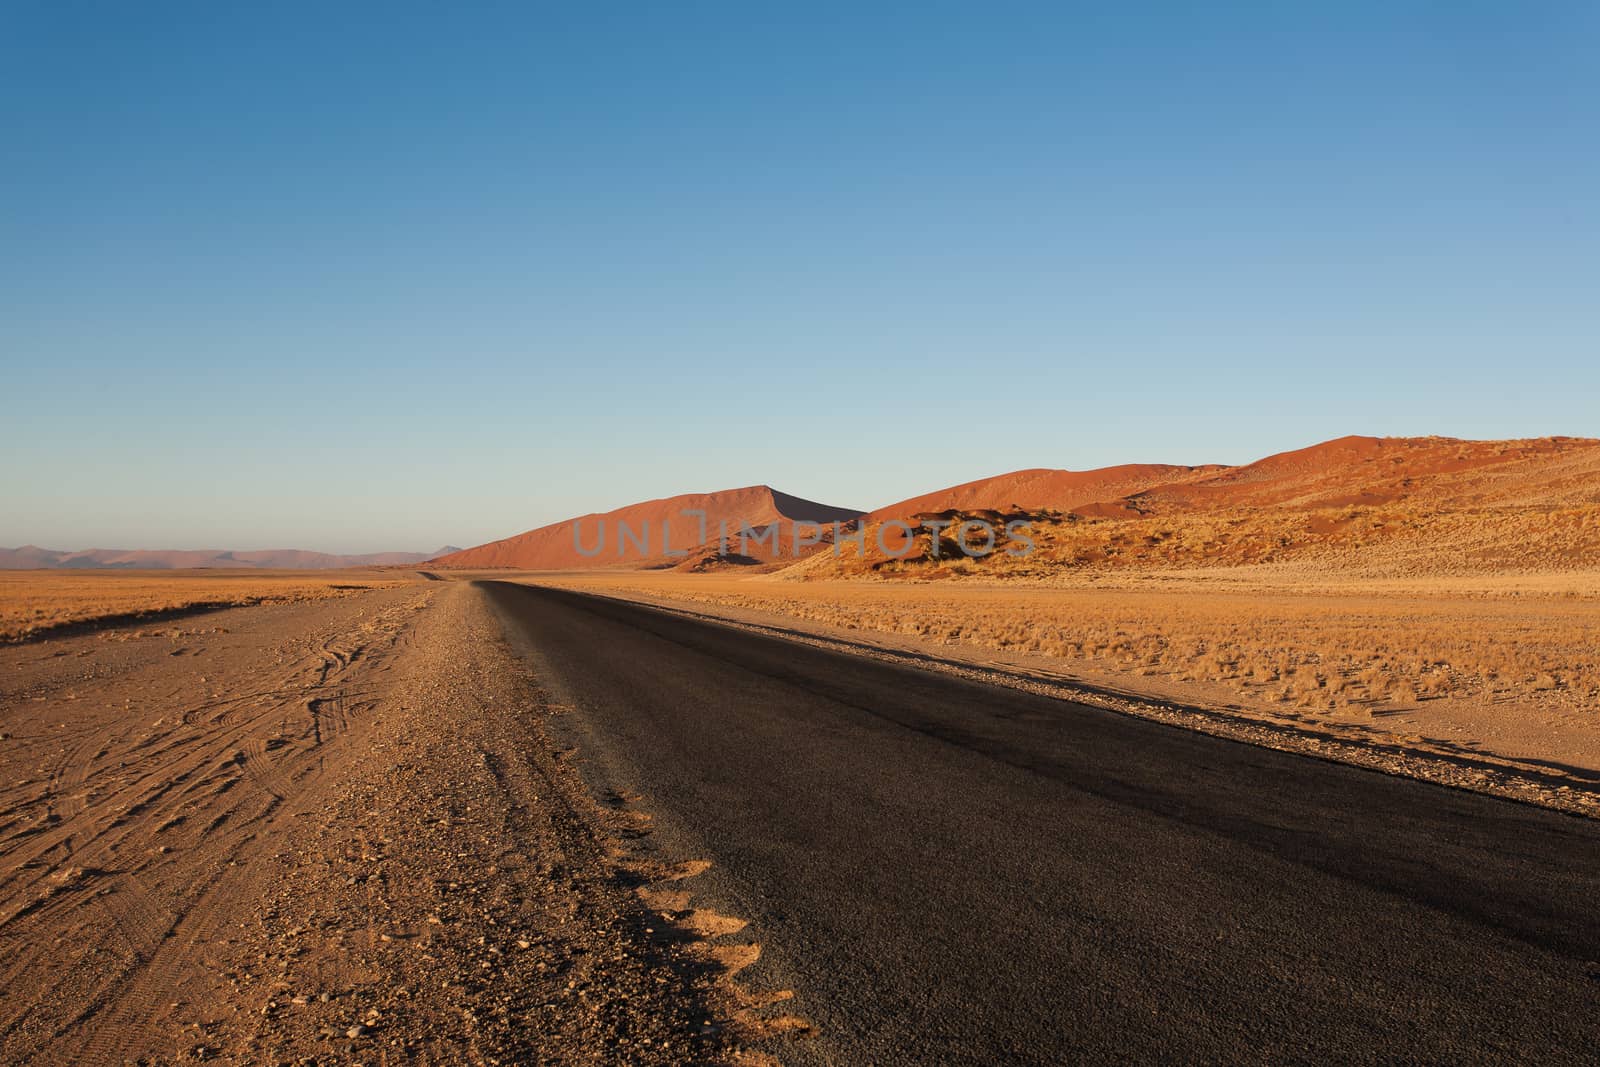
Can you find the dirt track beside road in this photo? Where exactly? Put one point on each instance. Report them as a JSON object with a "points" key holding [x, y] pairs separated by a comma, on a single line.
{"points": [[327, 829]]}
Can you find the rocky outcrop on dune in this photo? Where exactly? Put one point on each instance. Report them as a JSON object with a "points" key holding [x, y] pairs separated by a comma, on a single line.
{"points": [[664, 532]]}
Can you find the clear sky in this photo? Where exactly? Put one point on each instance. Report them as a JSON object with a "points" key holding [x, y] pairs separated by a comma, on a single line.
{"points": [[352, 277]]}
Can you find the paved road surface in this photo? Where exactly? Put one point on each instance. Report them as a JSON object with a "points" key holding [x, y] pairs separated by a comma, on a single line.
{"points": [[950, 872]]}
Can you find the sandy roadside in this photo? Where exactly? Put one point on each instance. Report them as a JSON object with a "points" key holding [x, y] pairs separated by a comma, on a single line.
{"points": [[1548, 759], [332, 830]]}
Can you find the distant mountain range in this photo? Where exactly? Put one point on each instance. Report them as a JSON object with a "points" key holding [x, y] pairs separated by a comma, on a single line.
{"points": [[32, 557]]}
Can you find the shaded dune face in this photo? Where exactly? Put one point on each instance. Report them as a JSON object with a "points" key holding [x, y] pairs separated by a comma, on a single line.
{"points": [[666, 532]]}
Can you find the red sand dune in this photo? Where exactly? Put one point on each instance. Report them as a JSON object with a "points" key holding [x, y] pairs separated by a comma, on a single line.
{"points": [[1440, 471], [1042, 488], [1403, 505], [1342, 472], [656, 531], [1433, 472]]}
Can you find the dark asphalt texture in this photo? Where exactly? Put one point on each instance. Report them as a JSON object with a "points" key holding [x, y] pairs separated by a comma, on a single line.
{"points": [[950, 872]]}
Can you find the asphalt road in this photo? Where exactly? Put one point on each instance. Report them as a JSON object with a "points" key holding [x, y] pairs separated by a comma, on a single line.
{"points": [[948, 872]]}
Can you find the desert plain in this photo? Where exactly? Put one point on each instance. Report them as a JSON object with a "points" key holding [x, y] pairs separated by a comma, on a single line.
{"points": [[317, 816]]}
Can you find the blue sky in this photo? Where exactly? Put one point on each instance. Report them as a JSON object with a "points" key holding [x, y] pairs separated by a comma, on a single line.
{"points": [[357, 277]]}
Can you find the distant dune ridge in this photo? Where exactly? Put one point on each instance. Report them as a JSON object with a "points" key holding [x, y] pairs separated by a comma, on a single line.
{"points": [[654, 532], [31, 557], [1537, 500]]}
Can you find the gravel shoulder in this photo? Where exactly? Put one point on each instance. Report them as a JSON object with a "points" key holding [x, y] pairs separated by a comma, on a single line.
{"points": [[327, 831]]}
